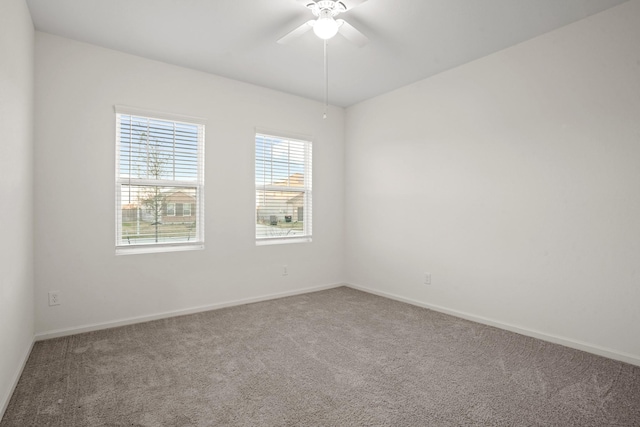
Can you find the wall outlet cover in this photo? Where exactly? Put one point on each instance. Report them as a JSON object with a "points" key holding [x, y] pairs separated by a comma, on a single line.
{"points": [[54, 298]]}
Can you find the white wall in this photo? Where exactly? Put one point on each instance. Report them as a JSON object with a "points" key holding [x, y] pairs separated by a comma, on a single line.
{"points": [[77, 86], [16, 192], [515, 181]]}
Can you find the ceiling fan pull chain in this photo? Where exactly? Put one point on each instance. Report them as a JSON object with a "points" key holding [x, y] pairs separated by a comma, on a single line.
{"points": [[326, 80]]}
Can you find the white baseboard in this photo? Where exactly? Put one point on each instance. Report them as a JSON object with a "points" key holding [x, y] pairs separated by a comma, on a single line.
{"points": [[56, 333], [4, 403], [578, 345]]}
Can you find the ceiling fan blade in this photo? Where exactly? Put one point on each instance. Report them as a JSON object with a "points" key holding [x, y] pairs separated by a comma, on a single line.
{"points": [[289, 37], [305, 2], [350, 4], [350, 33]]}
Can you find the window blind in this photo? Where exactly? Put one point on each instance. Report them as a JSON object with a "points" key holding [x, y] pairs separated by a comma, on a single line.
{"points": [[283, 175], [159, 168]]}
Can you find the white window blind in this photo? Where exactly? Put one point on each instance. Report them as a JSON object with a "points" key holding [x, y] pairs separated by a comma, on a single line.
{"points": [[283, 189], [159, 169]]}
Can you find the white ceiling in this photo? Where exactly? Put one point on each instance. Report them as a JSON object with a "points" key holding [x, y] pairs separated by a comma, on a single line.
{"points": [[409, 39]]}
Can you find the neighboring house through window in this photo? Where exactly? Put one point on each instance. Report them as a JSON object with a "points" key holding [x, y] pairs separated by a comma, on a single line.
{"points": [[159, 171], [283, 189]]}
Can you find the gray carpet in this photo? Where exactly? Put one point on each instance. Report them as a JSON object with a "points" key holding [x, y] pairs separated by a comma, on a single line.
{"points": [[333, 358]]}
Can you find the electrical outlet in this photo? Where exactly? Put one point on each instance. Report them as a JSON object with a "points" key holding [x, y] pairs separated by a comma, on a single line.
{"points": [[54, 298], [285, 270], [427, 278]]}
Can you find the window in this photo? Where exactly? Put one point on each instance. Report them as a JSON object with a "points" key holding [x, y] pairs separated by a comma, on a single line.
{"points": [[283, 189], [159, 169], [186, 209]]}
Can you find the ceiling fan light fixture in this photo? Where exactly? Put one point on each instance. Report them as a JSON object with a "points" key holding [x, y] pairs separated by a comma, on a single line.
{"points": [[325, 27]]}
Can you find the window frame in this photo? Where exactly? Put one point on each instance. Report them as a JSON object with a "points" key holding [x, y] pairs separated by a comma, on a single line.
{"points": [[184, 210], [193, 243], [306, 190]]}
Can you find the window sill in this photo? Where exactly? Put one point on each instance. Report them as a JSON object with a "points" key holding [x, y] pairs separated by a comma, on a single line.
{"points": [[282, 240], [152, 249]]}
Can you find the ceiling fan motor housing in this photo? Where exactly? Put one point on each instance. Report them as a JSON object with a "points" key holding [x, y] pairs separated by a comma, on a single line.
{"points": [[333, 7]]}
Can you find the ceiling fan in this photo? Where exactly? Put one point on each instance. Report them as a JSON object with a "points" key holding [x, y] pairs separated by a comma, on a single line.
{"points": [[326, 26]]}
